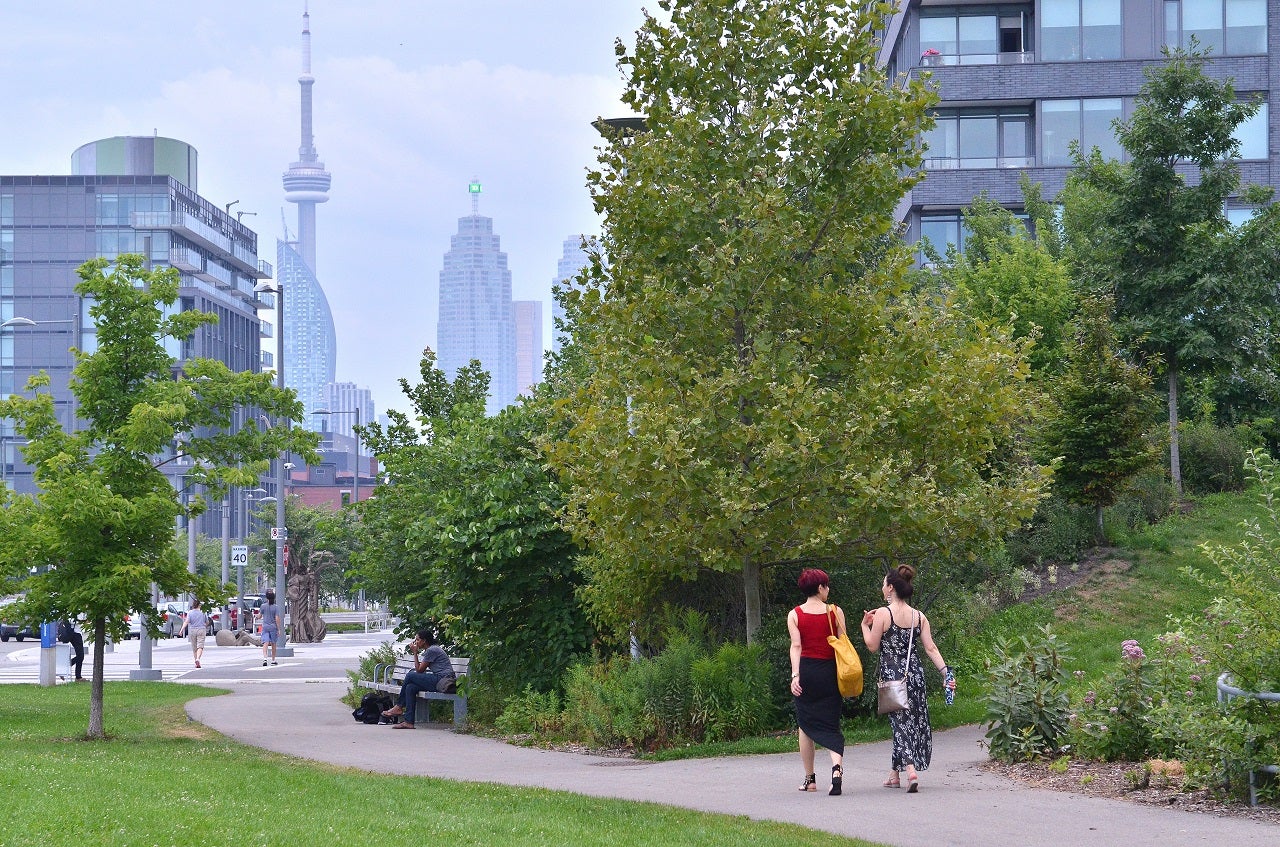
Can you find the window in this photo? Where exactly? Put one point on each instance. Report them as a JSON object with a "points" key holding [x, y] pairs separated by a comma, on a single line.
{"points": [[1252, 135], [1223, 27], [1086, 121], [1072, 30], [975, 38], [978, 139], [941, 231]]}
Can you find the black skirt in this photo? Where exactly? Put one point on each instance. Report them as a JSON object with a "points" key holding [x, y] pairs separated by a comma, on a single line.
{"points": [[818, 706]]}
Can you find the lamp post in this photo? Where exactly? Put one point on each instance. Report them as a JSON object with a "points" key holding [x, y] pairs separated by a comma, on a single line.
{"points": [[265, 287], [355, 475]]}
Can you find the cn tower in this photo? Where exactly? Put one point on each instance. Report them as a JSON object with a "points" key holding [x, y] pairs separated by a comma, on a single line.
{"points": [[307, 182]]}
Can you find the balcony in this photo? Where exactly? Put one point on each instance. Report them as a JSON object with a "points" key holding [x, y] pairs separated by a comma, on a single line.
{"points": [[185, 225], [978, 163], [217, 274], [943, 60], [186, 259]]}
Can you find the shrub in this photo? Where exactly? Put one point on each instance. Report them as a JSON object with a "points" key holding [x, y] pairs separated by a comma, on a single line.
{"points": [[532, 712], [1027, 705], [1059, 532], [1147, 500], [731, 693], [1111, 723], [1213, 458]]}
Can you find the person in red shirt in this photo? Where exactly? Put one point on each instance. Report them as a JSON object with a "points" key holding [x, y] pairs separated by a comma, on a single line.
{"points": [[813, 676]]}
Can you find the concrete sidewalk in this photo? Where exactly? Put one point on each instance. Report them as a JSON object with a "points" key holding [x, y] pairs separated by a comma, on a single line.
{"points": [[958, 803]]}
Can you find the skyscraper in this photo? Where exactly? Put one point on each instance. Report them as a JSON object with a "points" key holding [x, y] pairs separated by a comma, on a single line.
{"points": [[310, 340], [342, 399], [528, 314], [573, 260], [476, 315]]}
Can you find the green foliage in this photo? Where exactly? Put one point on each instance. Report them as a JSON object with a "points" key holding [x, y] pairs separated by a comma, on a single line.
{"points": [[1060, 532], [1027, 705], [1101, 408], [1190, 290], [1112, 722], [1005, 276], [758, 389], [690, 692], [1213, 458], [100, 530], [532, 712], [465, 533], [1147, 499]]}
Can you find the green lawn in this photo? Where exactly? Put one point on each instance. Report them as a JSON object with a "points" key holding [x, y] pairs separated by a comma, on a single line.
{"points": [[162, 779]]}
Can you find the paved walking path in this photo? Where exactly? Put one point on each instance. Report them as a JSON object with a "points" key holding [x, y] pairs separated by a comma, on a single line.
{"points": [[958, 803]]}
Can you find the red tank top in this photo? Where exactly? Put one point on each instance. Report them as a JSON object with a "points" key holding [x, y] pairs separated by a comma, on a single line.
{"points": [[814, 630]]}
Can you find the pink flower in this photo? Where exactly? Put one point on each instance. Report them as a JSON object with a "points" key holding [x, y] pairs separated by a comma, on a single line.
{"points": [[1195, 677], [1132, 650], [1089, 698]]}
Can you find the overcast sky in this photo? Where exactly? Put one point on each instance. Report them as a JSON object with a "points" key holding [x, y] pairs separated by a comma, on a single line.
{"points": [[412, 100]]}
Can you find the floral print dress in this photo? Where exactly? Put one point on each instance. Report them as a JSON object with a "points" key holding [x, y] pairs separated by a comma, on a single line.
{"points": [[912, 737]]}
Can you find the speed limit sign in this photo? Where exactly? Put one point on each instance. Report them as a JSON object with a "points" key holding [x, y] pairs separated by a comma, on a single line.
{"points": [[239, 555]]}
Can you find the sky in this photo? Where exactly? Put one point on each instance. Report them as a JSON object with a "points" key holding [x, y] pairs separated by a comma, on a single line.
{"points": [[412, 100]]}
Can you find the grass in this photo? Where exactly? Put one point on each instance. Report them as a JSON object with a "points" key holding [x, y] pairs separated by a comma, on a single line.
{"points": [[1137, 594], [161, 779]]}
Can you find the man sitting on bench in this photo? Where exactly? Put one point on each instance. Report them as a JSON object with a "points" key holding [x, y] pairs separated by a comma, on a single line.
{"points": [[433, 671]]}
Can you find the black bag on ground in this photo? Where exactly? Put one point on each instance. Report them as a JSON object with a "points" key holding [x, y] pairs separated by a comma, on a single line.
{"points": [[372, 705]]}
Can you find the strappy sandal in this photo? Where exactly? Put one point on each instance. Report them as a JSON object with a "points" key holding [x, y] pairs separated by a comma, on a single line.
{"points": [[913, 785], [810, 783], [837, 780], [892, 782]]}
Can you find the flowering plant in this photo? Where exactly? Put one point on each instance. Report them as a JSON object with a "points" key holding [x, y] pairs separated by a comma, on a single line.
{"points": [[1111, 721], [931, 52]]}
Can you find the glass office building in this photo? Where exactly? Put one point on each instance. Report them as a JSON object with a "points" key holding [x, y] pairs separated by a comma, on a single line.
{"points": [[126, 195], [310, 339], [477, 317]]}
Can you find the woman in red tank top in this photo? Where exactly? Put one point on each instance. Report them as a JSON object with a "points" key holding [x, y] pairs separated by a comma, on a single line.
{"points": [[813, 676]]}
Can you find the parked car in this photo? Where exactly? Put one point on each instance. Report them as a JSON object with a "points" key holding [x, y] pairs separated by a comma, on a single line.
{"points": [[172, 615], [253, 604], [13, 630]]}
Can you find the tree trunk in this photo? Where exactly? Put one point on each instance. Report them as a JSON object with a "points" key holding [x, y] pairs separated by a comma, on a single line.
{"points": [[1101, 537], [1175, 459], [751, 595], [95, 695]]}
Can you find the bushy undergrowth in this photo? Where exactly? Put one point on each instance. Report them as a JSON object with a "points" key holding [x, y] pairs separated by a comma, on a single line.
{"points": [[381, 655], [1213, 458], [1027, 705], [688, 693]]}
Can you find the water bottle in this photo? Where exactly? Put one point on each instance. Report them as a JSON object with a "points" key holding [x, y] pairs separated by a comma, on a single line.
{"points": [[949, 686]]}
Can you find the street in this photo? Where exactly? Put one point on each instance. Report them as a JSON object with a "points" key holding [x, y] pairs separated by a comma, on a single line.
{"points": [[327, 661]]}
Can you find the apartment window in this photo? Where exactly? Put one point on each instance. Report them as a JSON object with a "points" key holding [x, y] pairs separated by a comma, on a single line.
{"points": [[1222, 27], [949, 38], [1252, 135], [1072, 30], [1087, 121], [940, 232], [6, 210], [979, 139]]}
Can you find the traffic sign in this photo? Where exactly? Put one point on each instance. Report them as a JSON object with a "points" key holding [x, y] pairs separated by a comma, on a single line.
{"points": [[279, 532], [239, 555]]}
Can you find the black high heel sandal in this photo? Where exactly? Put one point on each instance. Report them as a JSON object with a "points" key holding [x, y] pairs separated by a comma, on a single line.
{"points": [[837, 779], [810, 783]]}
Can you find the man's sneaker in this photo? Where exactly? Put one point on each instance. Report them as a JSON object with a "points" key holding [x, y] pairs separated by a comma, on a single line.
{"points": [[264, 663], [275, 663]]}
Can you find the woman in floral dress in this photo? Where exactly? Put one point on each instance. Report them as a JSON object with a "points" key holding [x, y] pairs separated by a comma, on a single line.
{"points": [[890, 630]]}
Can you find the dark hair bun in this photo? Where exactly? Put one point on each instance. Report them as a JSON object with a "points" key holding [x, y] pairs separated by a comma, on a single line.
{"points": [[906, 573]]}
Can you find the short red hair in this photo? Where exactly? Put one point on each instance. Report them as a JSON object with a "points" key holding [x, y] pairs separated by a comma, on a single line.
{"points": [[811, 579]]}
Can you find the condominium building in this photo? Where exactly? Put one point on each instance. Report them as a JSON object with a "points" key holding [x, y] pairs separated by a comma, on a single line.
{"points": [[1020, 81], [528, 317]]}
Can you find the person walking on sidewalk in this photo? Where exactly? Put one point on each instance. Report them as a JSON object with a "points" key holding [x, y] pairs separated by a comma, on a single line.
{"points": [[432, 668], [195, 626], [891, 630], [813, 676], [272, 627]]}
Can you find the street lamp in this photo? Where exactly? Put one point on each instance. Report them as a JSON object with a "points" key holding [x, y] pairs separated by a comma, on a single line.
{"points": [[267, 287], [355, 483]]}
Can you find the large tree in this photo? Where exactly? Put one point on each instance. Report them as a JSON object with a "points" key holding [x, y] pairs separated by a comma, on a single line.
{"points": [[1192, 292], [100, 530], [465, 532], [757, 389]]}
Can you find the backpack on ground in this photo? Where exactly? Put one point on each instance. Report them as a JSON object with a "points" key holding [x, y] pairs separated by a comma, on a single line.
{"points": [[372, 705]]}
